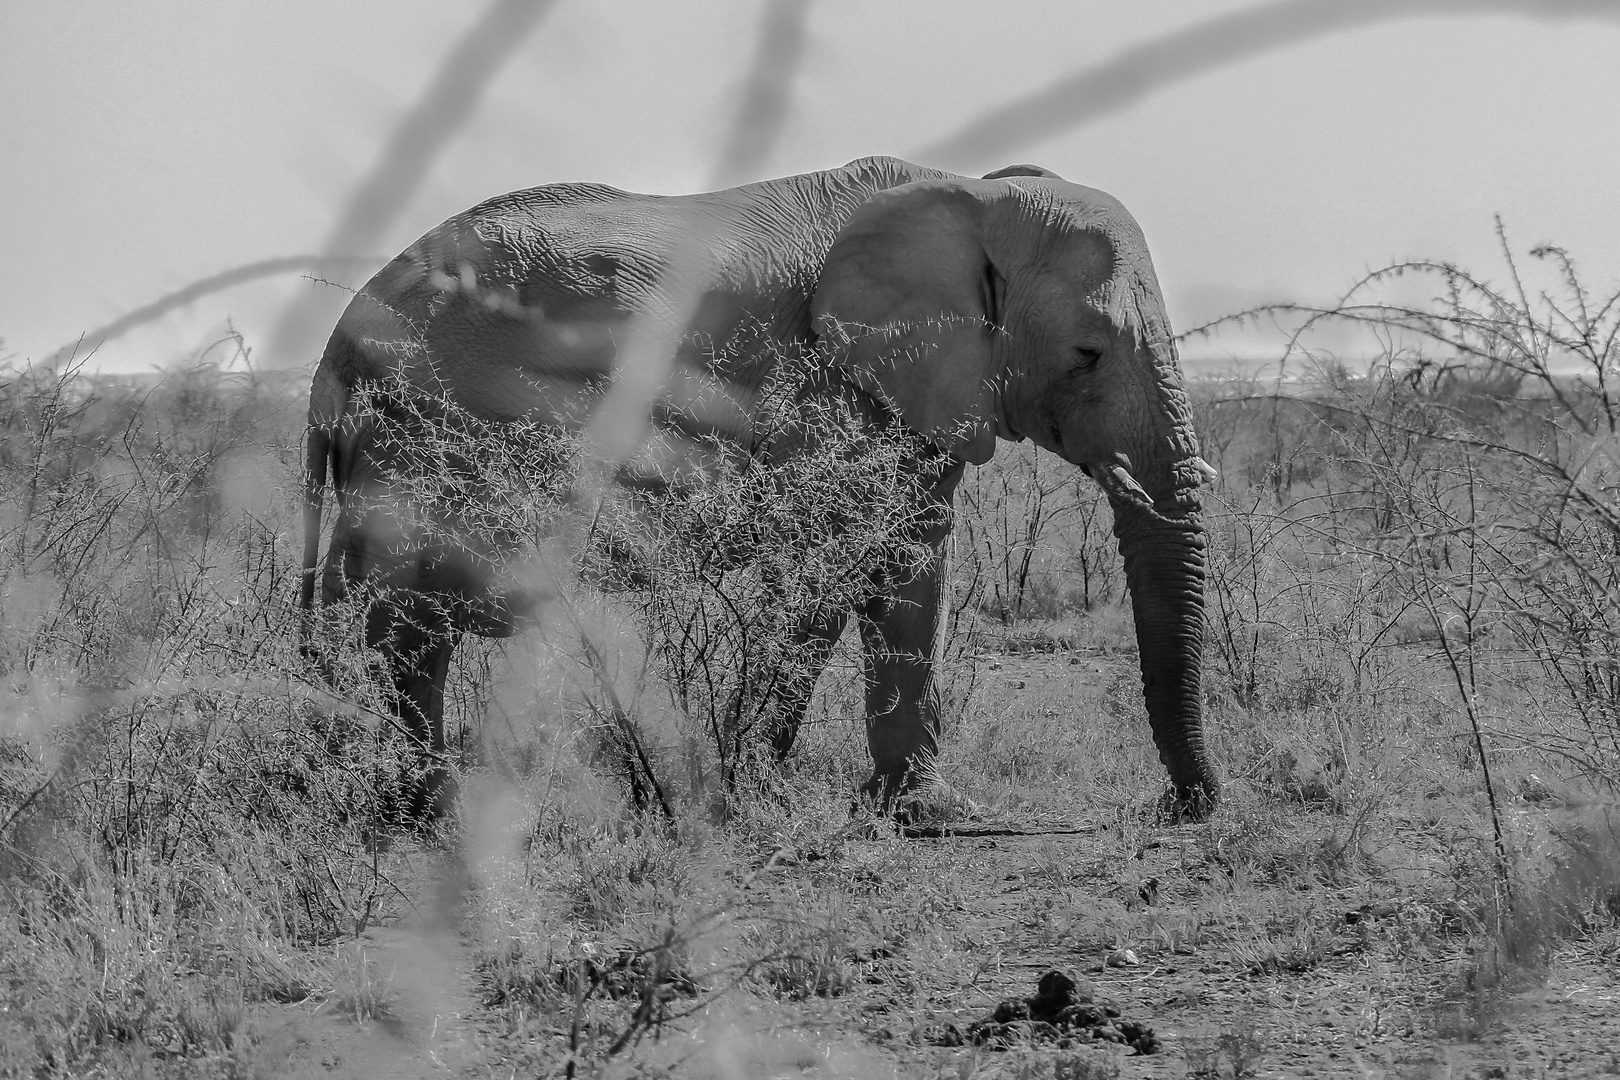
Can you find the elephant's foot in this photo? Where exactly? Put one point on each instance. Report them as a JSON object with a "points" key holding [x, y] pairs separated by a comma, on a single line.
{"points": [[422, 800], [433, 794], [919, 797], [1185, 806]]}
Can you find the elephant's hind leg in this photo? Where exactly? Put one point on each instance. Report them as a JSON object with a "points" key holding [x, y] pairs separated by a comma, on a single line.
{"points": [[815, 644], [418, 645]]}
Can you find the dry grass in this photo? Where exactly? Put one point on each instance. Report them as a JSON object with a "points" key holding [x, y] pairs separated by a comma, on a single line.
{"points": [[191, 824]]}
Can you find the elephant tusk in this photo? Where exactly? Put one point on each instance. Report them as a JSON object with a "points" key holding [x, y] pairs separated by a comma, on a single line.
{"points": [[1208, 471], [1118, 482]]}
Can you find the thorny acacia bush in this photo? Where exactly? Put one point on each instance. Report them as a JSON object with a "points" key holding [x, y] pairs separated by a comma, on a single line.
{"points": [[715, 576], [1442, 527], [1460, 494]]}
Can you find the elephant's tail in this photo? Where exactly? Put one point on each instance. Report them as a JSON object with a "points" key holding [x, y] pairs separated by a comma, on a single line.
{"points": [[326, 401]]}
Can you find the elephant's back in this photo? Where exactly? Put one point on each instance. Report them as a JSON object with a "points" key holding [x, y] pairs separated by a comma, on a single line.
{"points": [[517, 307], [523, 300], [541, 279], [584, 242], [577, 245]]}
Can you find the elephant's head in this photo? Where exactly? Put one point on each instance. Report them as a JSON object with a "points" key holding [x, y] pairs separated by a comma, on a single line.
{"points": [[1023, 306]]}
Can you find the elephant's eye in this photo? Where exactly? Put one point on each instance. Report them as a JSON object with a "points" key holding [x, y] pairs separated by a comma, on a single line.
{"points": [[1088, 356]]}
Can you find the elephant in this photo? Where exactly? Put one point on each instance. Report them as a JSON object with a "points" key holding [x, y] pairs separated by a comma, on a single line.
{"points": [[1011, 306]]}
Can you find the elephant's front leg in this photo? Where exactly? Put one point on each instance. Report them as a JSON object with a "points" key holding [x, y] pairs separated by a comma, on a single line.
{"points": [[899, 632]]}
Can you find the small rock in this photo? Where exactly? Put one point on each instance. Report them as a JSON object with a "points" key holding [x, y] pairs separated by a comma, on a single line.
{"points": [[1123, 958], [1536, 791]]}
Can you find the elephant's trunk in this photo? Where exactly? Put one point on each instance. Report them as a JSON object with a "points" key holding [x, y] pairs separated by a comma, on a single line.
{"points": [[1164, 570], [1152, 478]]}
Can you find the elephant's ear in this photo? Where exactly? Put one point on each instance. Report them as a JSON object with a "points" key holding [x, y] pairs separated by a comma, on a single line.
{"points": [[909, 301]]}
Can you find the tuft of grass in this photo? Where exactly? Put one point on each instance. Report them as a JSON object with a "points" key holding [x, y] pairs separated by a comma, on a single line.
{"points": [[1236, 1052]]}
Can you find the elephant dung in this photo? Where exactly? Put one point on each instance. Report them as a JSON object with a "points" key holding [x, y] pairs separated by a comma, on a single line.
{"points": [[1064, 1013]]}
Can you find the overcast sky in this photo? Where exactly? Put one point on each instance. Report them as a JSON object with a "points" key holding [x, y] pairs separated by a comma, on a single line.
{"points": [[145, 145]]}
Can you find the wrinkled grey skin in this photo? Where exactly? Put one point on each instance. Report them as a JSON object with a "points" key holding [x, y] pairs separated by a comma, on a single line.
{"points": [[1016, 306]]}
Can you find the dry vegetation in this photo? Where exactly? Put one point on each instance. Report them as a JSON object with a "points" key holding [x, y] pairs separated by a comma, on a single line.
{"points": [[1412, 693]]}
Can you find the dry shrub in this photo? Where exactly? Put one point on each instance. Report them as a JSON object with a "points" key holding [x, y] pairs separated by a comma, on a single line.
{"points": [[1458, 496], [179, 812], [712, 579], [1440, 528]]}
